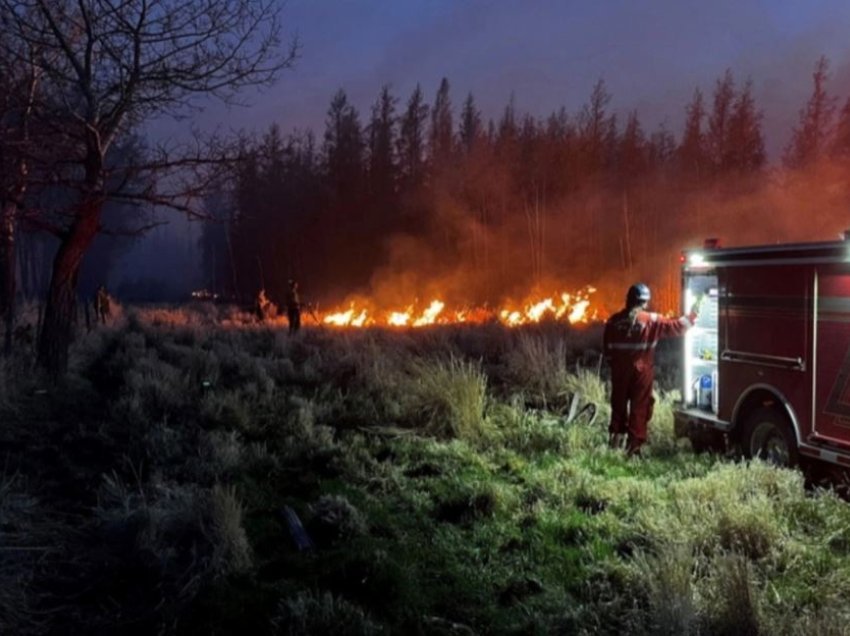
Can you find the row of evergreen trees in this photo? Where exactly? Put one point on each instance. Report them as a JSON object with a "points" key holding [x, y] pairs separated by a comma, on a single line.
{"points": [[426, 192]]}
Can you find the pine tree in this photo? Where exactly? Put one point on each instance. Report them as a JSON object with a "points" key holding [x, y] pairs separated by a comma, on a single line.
{"points": [[632, 150], [692, 154], [382, 142], [507, 130], [441, 135], [471, 129], [745, 142], [411, 140], [718, 122], [343, 147], [597, 129], [810, 137], [662, 148]]}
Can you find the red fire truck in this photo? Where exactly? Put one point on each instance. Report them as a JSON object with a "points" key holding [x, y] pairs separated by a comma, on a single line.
{"points": [[767, 365]]}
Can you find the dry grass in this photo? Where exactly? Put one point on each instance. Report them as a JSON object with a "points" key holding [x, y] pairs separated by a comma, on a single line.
{"points": [[308, 613], [451, 395], [25, 537], [689, 593], [539, 365], [189, 534], [231, 552], [670, 587]]}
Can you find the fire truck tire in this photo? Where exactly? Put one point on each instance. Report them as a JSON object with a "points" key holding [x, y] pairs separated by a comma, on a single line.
{"points": [[768, 436]]}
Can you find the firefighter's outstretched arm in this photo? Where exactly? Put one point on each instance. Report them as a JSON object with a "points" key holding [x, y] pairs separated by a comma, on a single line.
{"points": [[672, 327]]}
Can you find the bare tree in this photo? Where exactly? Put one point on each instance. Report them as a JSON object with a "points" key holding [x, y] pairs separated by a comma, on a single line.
{"points": [[19, 82], [112, 65]]}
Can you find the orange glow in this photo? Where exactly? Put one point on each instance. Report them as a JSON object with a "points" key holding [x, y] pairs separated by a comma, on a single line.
{"points": [[573, 308]]}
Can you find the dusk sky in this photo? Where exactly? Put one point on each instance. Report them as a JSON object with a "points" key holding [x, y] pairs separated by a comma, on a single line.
{"points": [[549, 53], [651, 54]]}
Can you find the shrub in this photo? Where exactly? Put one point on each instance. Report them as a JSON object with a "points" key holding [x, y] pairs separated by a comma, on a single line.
{"points": [[231, 552], [187, 535], [730, 603], [16, 378], [539, 366], [525, 431], [668, 580], [450, 395], [222, 452], [662, 438], [590, 386], [21, 525], [152, 390], [309, 613], [334, 518], [226, 409]]}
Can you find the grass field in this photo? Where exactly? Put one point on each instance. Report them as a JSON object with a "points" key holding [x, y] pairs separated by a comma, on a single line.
{"points": [[441, 485]]}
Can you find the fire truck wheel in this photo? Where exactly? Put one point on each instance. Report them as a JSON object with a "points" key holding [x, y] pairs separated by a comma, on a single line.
{"points": [[768, 436]]}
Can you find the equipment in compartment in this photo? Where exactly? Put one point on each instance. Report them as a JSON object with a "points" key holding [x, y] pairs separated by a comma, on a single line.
{"points": [[701, 345]]}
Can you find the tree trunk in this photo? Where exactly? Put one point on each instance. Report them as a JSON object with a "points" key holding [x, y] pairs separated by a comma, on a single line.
{"points": [[57, 331], [7, 272]]}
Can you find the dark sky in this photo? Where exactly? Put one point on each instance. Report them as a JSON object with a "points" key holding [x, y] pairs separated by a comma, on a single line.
{"points": [[651, 54], [549, 53]]}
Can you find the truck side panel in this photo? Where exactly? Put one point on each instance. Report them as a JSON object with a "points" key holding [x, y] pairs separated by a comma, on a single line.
{"points": [[765, 335]]}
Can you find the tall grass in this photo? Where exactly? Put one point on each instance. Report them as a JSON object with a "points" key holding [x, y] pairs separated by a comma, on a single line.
{"points": [[308, 613], [444, 485], [690, 593], [539, 366], [29, 535], [451, 396]]}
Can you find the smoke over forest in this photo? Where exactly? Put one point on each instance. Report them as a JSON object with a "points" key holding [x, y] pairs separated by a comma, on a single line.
{"points": [[417, 199]]}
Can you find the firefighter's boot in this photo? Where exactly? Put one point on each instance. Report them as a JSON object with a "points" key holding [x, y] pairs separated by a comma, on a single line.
{"points": [[633, 450], [615, 440]]}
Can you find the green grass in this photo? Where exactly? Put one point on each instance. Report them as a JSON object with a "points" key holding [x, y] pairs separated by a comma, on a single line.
{"points": [[437, 473]]}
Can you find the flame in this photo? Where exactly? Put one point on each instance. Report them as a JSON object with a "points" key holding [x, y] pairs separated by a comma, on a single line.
{"points": [[570, 307], [398, 318], [429, 316], [348, 318]]}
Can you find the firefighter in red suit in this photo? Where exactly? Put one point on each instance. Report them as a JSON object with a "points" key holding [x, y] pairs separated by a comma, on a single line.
{"points": [[629, 342]]}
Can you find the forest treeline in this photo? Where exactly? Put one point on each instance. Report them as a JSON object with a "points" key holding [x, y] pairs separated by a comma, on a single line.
{"points": [[416, 197]]}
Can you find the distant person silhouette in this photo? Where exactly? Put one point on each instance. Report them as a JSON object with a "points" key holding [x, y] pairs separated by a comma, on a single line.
{"points": [[293, 307]]}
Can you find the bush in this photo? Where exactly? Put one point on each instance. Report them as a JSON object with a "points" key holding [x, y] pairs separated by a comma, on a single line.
{"points": [[185, 534], [539, 365], [451, 396], [525, 431], [729, 598], [308, 614], [22, 526], [334, 518], [590, 386], [16, 379], [231, 552], [668, 581]]}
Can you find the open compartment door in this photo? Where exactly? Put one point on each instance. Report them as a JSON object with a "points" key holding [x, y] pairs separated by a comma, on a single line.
{"points": [[701, 340]]}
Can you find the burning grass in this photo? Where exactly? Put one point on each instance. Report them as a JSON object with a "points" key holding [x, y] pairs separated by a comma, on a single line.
{"points": [[448, 479], [567, 307]]}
